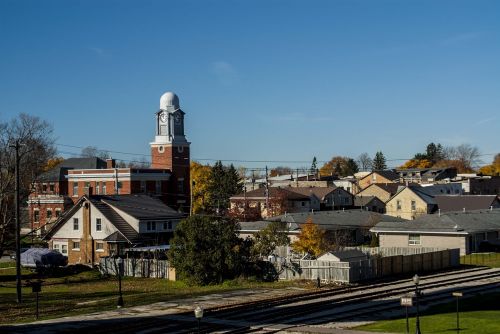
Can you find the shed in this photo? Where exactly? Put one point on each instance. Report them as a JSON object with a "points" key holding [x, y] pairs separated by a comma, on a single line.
{"points": [[343, 256]]}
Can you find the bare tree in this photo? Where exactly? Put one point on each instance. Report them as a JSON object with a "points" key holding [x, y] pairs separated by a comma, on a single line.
{"points": [[466, 154], [365, 162], [36, 148], [92, 151]]}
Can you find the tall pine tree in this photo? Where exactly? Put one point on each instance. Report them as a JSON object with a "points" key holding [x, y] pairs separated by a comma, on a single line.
{"points": [[379, 161]]}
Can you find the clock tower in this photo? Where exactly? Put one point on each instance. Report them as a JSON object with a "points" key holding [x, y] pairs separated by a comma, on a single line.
{"points": [[170, 150]]}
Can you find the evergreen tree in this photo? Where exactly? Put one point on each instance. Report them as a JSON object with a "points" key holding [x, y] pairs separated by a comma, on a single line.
{"points": [[223, 183], [205, 250], [314, 166], [379, 161], [350, 168]]}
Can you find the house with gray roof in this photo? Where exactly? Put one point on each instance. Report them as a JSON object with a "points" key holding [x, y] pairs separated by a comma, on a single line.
{"points": [[346, 227], [269, 202], [104, 225], [464, 230], [326, 198]]}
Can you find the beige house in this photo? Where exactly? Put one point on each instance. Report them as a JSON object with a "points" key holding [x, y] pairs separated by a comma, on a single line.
{"points": [[468, 231], [410, 202], [380, 176], [384, 191], [99, 226]]}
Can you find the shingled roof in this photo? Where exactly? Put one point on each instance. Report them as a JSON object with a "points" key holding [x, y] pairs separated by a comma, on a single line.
{"points": [[273, 192], [451, 222], [58, 172], [466, 202]]}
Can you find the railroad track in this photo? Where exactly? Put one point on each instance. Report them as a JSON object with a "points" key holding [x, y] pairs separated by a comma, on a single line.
{"points": [[314, 307]]}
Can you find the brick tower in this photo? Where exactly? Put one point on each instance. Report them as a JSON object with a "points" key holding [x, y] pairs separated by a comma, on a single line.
{"points": [[170, 150]]}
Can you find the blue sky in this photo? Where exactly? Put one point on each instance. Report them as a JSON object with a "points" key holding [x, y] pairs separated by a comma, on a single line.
{"points": [[258, 80]]}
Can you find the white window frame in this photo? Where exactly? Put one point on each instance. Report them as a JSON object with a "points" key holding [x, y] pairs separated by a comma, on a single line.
{"points": [[76, 223], [75, 187], [73, 245], [414, 240], [98, 225], [97, 249]]}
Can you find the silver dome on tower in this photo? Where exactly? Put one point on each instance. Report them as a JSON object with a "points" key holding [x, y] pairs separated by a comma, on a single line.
{"points": [[169, 101]]}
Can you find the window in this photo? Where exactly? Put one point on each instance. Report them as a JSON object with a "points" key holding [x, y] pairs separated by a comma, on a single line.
{"points": [[75, 188], [56, 247], [104, 188], [398, 205], [99, 246], [44, 188], [87, 185], [36, 216], [52, 187], [58, 213], [98, 224], [119, 186], [75, 224], [97, 187], [167, 225], [303, 203], [143, 187], [414, 239], [158, 187], [413, 206], [49, 214], [76, 245], [151, 226], [64, 249]]}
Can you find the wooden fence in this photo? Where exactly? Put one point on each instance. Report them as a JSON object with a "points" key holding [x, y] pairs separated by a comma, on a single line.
{"points": [[377, 266], [138, 268]]}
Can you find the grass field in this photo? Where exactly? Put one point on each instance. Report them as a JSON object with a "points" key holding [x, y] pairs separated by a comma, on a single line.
{"points": [[87, 292], [479, 314], [482, 259]]}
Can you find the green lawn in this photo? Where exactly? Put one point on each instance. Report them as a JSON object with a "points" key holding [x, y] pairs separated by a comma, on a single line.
{"points": [[479, 314], [482, 259], [87, 292]]}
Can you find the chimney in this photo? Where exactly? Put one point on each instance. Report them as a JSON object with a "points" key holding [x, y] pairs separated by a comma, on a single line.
{"points": [[110, 163]]}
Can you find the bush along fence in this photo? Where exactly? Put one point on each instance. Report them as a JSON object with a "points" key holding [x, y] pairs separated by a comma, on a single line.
{"points": [[377, 266], [138, 268]]}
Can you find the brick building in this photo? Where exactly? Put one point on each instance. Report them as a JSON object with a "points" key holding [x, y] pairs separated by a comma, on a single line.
{"points": [[168, 178]]}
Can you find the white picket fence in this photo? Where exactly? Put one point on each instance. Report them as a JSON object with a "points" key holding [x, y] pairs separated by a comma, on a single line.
{"points": [[137, 267], [382, 263]]}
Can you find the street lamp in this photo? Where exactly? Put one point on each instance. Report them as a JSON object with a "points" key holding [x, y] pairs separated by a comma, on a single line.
{"points": [[120, 272], [416, 280], [198, 314]]}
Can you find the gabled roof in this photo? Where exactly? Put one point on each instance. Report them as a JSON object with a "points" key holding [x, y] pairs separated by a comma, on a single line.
{"points": [[388, 174], [319, 192], [418, 191], [390, 188], [258, 225], [467, 202], [344, 255], [334, 220], [138, 206], [448, 223], [365, 200], [273, 193], [141, 206], [57, 173]]}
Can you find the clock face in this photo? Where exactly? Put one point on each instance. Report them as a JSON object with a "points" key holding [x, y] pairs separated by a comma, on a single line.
{"points": [[177, 118], [163, 117]]}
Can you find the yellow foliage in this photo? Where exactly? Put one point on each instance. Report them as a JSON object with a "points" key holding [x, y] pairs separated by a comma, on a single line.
{"points": [[200, 175], [311, 239], [415, 163], [52, 163]]}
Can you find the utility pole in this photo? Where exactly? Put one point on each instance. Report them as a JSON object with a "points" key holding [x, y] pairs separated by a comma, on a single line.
{"points": [[267, 192], [18, 226], [245, 202]]}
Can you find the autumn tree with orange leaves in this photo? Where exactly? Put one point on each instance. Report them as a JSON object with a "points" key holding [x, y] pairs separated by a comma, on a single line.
{"points": [[311, 240]]}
